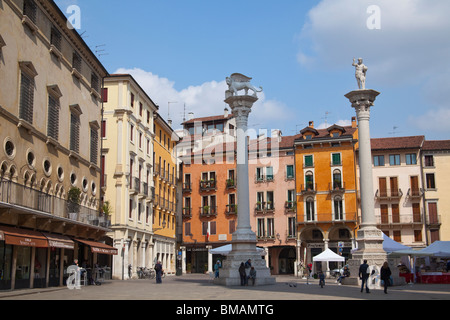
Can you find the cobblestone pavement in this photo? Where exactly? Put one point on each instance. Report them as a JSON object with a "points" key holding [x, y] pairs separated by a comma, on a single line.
{"points": [[196, 287]]}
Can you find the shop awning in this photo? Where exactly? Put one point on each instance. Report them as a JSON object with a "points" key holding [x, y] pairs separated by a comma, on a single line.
{"points": [[59, 241], [98, 247], [23, 237]]}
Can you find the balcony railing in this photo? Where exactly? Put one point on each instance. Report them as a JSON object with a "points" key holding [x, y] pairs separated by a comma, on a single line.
{"points": [[231, 183], [388, 194], [187, 212], [264, 207], [308, 188], [315, 218], [207, 185], [15, 194], [336, 187], [264, 178], [187, 187], [290, 206], [207, 211], [231, 209], [388, 219], [414, 193]]}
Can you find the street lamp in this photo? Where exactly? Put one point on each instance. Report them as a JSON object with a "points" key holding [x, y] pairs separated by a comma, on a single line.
{"points": [[163, 226]]}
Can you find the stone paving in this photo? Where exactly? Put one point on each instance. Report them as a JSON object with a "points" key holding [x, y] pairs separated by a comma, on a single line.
{"points": [[197, 287]]}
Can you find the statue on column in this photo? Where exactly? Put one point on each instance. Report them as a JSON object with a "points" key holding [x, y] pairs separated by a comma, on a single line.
{"points": [[360, 74], [237, 82]]}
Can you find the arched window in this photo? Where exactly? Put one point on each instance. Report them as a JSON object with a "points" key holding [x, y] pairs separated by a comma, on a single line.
{"points": [[310, 216], [338, 208], [337, 179]]}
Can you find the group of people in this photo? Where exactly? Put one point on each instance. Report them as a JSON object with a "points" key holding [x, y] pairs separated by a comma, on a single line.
{"points": [[247, 272], [385, 275]]}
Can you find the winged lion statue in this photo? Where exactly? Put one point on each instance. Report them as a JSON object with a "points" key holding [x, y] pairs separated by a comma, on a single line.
{"points": [[237, 82]]}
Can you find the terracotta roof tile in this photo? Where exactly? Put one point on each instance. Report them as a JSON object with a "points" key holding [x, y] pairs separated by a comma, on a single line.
{"points": [[436, 145], [412, 142]]}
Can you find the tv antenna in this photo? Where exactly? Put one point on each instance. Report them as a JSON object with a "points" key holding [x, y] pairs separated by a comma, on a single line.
{"points": [[394, 132], [100, 52], [326, 118]]}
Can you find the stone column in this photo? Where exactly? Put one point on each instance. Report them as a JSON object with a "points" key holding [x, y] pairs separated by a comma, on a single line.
{"points": [[244, 239], [369, 237]]}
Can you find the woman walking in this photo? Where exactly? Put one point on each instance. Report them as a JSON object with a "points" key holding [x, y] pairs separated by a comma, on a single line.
{"points": [[385, 275]]}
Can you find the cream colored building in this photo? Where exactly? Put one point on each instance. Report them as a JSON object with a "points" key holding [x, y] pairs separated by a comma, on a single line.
{"points": [[50, 115], [436, 174], [127, 154]]}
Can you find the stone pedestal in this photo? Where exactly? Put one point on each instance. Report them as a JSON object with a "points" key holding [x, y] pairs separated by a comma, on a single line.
{"points": [[369, 237], [244, 239]]}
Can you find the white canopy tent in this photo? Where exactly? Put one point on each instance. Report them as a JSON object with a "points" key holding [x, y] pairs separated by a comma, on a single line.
{"points": [[437, 249], [327, 256], [226, 249]]}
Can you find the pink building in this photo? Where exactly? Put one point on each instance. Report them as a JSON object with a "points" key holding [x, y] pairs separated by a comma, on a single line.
{"points": [[272, 199]]}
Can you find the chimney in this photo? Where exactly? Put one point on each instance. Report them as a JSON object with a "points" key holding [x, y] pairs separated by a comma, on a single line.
{"points": [[190, 116], [225, 111], [311, 124], [170, 123], [354, 125]]}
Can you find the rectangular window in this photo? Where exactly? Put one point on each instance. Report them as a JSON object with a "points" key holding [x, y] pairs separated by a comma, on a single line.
{"points": [[411, 158], [291, 227], [394, 159], [429, 161], [378, 161], [55, 38], [430, 181], [53, 117], [309, 161], [26, 98], [187, 229], [95, 83], [270, 228], [269, 173], [290, 171], [231, 226], [30, 10], [103, 129], [94, 145], [261, 228], [74, 133], [76, 62], [336, 159]]}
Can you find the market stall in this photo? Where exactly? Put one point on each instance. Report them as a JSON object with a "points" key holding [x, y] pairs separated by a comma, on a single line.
{"points": [[435, 268], [327, 256]]}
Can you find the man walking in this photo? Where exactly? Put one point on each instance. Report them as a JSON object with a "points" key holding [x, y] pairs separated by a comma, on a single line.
{"points": [[364, 275]]}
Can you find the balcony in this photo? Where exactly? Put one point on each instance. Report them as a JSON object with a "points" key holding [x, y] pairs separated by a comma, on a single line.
{"points": [[231, 209], [397, 219], [308, 188], [135, 185], [336, 187], [207, 185], [26, 200], [414, 193], [208, 211], [231, 183], [388, 194], [290, 206], [264, 178], [264, 207], [187, 212], [329, 218], [187, 187]]}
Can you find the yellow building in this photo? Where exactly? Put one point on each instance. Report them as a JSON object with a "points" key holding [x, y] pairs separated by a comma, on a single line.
{"points": [[165, 177], [436, 170], [326, 189], [127, 160], [50, 115]]}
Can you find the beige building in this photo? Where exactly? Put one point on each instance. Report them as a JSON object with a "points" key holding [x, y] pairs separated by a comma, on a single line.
{"points": [[127, 155], [435, 159], [50, 115]]}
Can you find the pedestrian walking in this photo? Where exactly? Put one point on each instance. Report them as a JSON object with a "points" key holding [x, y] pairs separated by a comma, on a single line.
{"points": [[364, 275], [385, 275], [159, 271], [242, 274]]}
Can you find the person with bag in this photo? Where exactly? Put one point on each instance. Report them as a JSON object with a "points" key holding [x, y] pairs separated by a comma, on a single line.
{"points": [[385, 275]]}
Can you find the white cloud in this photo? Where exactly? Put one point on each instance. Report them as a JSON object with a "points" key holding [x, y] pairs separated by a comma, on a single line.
{"points": [[203, 100]]}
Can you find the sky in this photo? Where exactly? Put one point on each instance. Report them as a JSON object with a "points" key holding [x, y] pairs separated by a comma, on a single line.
{"points": [[300, 52]]}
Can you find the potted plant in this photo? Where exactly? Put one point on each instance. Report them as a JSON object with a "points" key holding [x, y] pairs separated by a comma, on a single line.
{"points": [[205, 209], [73, 198]]}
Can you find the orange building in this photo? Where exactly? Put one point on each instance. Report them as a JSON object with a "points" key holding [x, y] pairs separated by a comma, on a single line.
{"points": [[209, 202], [326, 189]]}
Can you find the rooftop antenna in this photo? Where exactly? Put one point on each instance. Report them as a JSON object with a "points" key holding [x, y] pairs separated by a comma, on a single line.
{"points": [[326, 118], [394, 132], [168, 109], [100, 52]]}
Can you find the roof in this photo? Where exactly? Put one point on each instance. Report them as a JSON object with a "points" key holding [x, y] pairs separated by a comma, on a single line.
{"points": [[266, 143], [208, 119], [324, 134], [431, 145], [412, 142]]}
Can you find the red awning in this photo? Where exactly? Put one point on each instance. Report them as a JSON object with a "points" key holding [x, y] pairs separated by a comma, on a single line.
{"points": [[98, 247], [24, 237]]}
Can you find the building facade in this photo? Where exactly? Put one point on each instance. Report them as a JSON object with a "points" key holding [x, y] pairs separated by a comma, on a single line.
{"points": [[397, 184], [273, 200], [127, 158], [165, 205], [326, 190], [50, 115], [435, 161]]}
